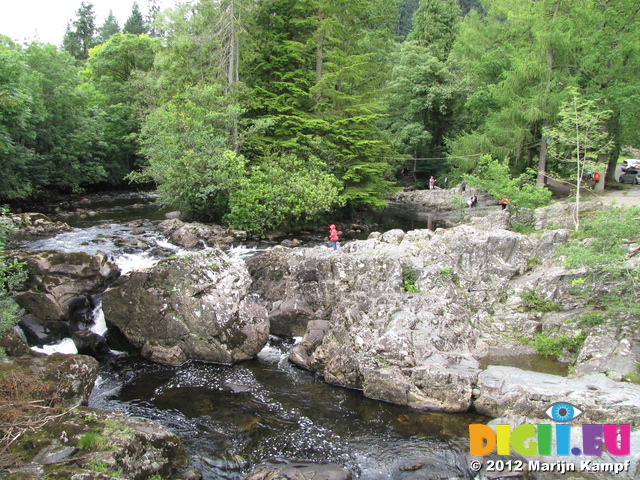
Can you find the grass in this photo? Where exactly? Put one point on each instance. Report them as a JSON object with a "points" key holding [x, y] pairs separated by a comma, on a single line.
{"points": [[545, 344], [532, 301]]}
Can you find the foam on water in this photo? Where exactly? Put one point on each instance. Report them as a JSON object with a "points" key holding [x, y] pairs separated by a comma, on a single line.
{"points": [[65, 346]]}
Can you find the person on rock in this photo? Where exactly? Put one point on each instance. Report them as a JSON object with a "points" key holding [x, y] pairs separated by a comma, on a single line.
{"points": [[333, 236]]}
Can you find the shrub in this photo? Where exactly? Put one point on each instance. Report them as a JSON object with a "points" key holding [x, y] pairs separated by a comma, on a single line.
{"points": [[409, 280], [533, 301], [547, 345]]}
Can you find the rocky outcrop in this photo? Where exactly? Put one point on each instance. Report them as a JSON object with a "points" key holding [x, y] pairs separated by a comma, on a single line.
{"points": [[441, 199], [399, 309], [54, 435], [88, 443], [195, 306], [58, 293], [35, 224], [60, 283], [404, 316], [505, 391], [199, 235]]}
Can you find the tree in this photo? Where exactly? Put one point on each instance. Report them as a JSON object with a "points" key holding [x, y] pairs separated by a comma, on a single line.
{"points": [[68, 147], [283, 191], [423, 90], [579, 137], [17, 180], [494, 177], [135, 24], [81, 38], [435, 26], [12, 276], [329, 113], [406, 9], [187, 146], [109, 28], [117, 68]]}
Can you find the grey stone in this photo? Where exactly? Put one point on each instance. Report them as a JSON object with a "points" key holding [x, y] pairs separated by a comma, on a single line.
{"points": [[198, 304]]}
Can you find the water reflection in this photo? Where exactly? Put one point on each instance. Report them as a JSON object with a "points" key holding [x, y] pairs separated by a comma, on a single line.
{"points": [[233, 418]]}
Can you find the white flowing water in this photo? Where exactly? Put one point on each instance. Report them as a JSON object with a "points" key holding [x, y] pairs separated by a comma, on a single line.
{"points": [[234, 418]]}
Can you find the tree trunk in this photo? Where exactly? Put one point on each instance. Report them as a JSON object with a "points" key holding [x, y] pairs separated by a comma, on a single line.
{"points": [[599, 186], [542, 163]]}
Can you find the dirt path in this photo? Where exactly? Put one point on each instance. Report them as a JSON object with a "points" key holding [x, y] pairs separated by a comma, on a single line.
{"points": [[628, 197]]}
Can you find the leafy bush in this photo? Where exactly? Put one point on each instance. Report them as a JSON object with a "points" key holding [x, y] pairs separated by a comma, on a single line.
{"points": [[283, 192], [494, 177], [533, 301], [409, 280], [12, 276], [547, 345], [605, 231]]}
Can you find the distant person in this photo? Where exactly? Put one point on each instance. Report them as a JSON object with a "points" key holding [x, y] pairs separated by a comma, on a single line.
{"points": [[432, 182], [473, 201], [463, 186], [333, 236], [446, 183], [504, 201]]}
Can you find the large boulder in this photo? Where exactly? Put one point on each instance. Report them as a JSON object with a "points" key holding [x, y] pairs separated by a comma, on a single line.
{"points": [[504, 391], [66, 379], [35, 224], [195, 306], [60, 283]]}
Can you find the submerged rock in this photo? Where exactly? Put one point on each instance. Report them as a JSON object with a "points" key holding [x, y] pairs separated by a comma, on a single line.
{"points": [[300, 471], [195, 306]]}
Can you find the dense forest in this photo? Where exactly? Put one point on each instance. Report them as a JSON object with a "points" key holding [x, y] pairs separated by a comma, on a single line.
{"points": [[271, 113]]}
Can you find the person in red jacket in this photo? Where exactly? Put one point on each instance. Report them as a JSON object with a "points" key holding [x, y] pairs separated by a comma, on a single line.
{"points": [[333, 236]]}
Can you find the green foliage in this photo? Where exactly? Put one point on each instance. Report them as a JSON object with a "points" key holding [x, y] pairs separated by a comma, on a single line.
{"points": [[448, 272], [592, 319], [93, 441], [409, 280], [135, 23], [557, 345], [522, 228], [633, 377], [186, 143], [598, 244], [495, 178], [12, 277], [533, 301], [533, 262], [82, 37], [283, 192]]}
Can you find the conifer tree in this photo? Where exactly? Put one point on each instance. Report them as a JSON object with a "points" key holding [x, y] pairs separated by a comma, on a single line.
{"points": [[82, 37], [109, 28], [135, 23]]}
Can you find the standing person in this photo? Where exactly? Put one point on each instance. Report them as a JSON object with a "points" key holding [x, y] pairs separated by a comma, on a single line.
{"points": [[432, 182], [446, 182], [504, 201], [333, 236], [463, 185]]}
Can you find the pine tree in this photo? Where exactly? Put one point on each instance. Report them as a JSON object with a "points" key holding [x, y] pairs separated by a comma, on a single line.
{"points": [[81, 38], [435, 26], [135, 23], [109, 28]]}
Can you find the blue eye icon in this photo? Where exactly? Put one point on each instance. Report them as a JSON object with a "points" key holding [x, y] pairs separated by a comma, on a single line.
{"points": [[563, 412]]}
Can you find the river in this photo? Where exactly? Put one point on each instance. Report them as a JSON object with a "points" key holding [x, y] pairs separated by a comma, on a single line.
{"points": [[234, 418]]}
